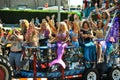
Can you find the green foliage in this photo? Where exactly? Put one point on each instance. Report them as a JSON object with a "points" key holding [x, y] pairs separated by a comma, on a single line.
{"points": [[13, 16]]}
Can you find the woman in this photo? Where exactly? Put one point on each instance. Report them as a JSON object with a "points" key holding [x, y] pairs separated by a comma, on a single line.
{"points": [[44, 33], [1, 32], [99, 35], [24, 24], [77, 18], [74, 34], [89, 47], [105, 17], [61, 38], [31, 35], [52, 26]]}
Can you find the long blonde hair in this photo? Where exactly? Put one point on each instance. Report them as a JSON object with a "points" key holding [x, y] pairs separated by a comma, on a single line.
{"points": [[44, 22], [64, 27], [25, 21]]}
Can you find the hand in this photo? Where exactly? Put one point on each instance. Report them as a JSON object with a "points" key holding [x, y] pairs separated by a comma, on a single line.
{"points": [[90, 36], [85, 35], [96, 5], [69, 15], [48, 18], [53, 16]]}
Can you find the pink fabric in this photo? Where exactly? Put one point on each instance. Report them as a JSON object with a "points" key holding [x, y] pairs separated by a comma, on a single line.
{"points": [[60, 51]]}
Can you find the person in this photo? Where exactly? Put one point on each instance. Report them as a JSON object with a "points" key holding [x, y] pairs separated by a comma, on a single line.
{"points": [[16, 40], [61, 40], [1, 29], [53, 19], [99, 36], [44, 33], [1, 33], [24, 25], [52, 25], [37, 22], [105, 17], [31, 38], [32, 20], [77, 18], [46, 5], [74, 33], [88, 45], [4, 44]]}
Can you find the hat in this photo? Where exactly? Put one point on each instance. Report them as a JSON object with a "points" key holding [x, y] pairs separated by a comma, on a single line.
{"points": [[80, 15]]}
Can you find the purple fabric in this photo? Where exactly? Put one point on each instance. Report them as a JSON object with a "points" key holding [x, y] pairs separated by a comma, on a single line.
{"points": [[104, 46], [46, 34], [114, 31], [60, 51]]}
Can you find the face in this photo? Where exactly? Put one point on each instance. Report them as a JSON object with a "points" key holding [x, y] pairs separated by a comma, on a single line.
{"points": [[104, 15], [85, 26], [31, 26], [75, 16], [17, 32], [43, 25], [99, 24], [62, 27], [23, 24]]}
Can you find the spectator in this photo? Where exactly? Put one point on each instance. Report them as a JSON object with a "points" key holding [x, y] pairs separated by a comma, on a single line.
{"points": [[46, 5]]}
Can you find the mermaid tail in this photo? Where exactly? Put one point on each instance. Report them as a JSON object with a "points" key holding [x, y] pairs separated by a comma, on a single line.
{"points": [[58, 61], [60, 52]]}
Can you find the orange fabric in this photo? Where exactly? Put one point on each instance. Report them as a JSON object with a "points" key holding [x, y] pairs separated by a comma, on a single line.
{"points": [[30, 79]]}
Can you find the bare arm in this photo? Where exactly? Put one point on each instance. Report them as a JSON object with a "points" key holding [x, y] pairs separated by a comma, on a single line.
{"points": [[108, 20]]}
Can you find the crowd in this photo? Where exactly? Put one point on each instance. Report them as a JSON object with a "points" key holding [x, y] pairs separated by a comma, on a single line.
{"points": [[84, 33]]}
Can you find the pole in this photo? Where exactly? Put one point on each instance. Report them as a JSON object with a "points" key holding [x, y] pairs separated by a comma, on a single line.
{"points": [[69, 5], [59, 3]]}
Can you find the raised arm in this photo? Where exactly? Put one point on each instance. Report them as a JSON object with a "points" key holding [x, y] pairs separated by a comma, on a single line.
{"points": [[52, 27]]}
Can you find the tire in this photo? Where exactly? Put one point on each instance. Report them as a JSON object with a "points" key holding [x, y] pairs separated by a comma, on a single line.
{"points": [[90, 74], [6, 71], [114, 74]]}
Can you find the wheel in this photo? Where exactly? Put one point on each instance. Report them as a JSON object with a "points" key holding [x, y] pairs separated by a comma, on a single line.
{"points": [[6, 71], [114, 74], [90, 74]]}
